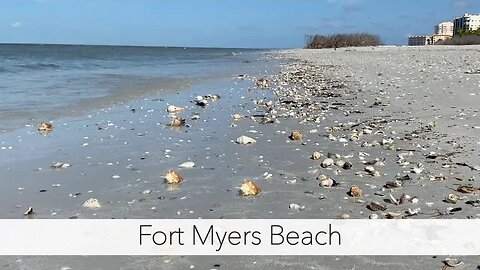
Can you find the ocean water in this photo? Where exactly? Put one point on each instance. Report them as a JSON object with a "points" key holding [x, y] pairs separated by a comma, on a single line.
{"points": [[41, 82]]}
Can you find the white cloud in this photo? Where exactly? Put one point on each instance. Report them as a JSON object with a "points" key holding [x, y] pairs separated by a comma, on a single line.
{"points": [[16, 24]]}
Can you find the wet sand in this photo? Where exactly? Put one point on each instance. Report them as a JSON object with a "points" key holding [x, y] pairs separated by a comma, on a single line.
{"points": [[411, 101]]}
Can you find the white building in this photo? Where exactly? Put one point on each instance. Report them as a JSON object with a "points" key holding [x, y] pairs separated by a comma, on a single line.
{"points": [[466, 22], [444, 29]]}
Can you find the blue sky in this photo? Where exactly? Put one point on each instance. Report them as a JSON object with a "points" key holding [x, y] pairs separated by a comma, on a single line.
{"points": [[218, 23]]}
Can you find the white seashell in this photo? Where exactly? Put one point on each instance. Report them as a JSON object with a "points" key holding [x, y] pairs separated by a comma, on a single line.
{"points": [[30, 211], [245, 140], [340, 163], [187, 164], [373, 216], [61, 165], [146, 192], [452, 198], [198, 98], [414, 211], [370, 169], [327, 183], [296, 207], [174, 109], [92, 203], [327, 163]]}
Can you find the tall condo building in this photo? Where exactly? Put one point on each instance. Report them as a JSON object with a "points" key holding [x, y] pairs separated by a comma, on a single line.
{"points": [[444, 29], [466, 22]]}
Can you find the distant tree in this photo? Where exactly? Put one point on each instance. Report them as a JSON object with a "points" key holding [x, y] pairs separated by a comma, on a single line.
{"points": [[341, 40]]}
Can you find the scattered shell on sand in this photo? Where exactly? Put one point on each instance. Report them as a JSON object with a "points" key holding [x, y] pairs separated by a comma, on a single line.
{"points": [[174, 109], [467, 189], [249, 188], [344, 216], [60, 165], [30, 211], [202, 103], [452, 198], [328, 162], [173, 177], [376, 206], [92, 203], [237, 117], [327, 183], [452, 262], [340, 163], [373, 216], [245, 140], [45, 127], [296, 207], [296, 136], [262, 82], [393, 184], [177, 122], [188, 164], [347, 166], [316, 155], [146, 191], [355, 191]]}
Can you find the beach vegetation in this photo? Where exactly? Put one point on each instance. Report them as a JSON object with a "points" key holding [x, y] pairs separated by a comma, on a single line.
{"points": [[342, 40]]}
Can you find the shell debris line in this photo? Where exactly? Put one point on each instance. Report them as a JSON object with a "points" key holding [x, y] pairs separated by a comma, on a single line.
{"points": [[173, 177], [249, 188]]}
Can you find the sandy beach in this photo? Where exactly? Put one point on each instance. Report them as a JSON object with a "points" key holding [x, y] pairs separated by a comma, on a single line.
{"points": [[401, 124]]}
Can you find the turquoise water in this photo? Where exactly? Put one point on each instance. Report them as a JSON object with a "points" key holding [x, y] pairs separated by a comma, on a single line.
{"points": [[38, 82]]}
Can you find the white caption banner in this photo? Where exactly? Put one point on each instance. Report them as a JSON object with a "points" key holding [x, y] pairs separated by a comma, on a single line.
{"points": [[239, 237]]}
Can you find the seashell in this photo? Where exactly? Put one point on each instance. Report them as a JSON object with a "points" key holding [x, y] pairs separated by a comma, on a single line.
{"points": [[328, 162], [173, 177], [347, 166], [45, 127], [354, 137], [245, 140], [376, 174], [198, 98], [393, 184], [432, 125], [373, 216], [452, 198], [344, 216], [213, 96], [375, 206], [340, 163], [327, 183], [146, 191], [174, 109], [188, 164], [392, 215], [418, 169], [393, 200], [195, 117], [249, 188], [452, 262], [413, 212], [60, 165], [322, 177], [237, 117], [296, 136], [370, 169], [316, 155], [29, 212], [262, 82], [202, 103], [177, 122], [467, 189], [355, 191], [92, 203], [296, 207]]}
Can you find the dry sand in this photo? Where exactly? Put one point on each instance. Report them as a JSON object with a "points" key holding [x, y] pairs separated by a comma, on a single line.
{"points": [[415, 100]]}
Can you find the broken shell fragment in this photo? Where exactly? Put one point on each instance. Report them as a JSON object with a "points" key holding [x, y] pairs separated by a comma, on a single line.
{"points": [[452, 198], [202, 103], [188, 164], [45, 127], [340, 163], [60, 165], [249, 188], [296, 136], [173, 177], [328, 162], [174, 109], [355, 191], [262, 83], [29, 212], [347, 166], [245, 140], [375, 206], [452, 262], [237, 117], [344, 216], [92, 203], [467, 189], [177, 122], [296, 207], [316, 155]]}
